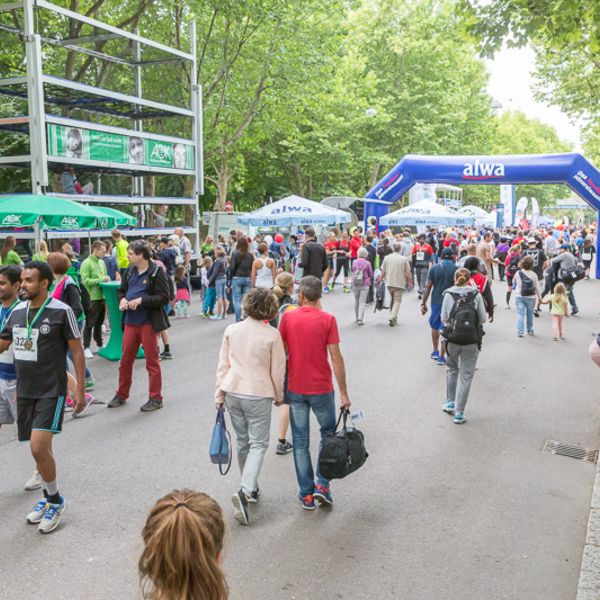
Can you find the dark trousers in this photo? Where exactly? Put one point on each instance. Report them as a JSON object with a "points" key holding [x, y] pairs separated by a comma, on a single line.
{"points": [[93, 323]]}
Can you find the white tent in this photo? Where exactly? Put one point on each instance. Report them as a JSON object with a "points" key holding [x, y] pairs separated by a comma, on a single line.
{"points": [[294, 210], [425, 214], [482, 217]]}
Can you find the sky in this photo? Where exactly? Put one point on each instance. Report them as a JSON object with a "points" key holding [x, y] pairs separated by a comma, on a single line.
{"points": [[511, 84]]}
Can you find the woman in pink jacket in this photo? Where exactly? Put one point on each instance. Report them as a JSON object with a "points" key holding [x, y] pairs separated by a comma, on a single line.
{"points": [[250, 378]]}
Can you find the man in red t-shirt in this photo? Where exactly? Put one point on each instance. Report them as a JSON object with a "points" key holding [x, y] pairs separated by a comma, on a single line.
{"points": [[355, 244], [311, 335], [422, 260]]}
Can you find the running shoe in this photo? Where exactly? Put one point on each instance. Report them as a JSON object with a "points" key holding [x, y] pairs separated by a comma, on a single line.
{"points": [[38, 512], [360, 323], [574, 312], [204, 315], [555, 339], [152, 404], [563, 338], [520, 335], [254, 496], [89, 400], [88, 353], [346, 290], [215, 317], [326, 289], [165, 355], [393, 322], [530, 332], [35, 483], [240, 507], [115, 402], [90, 383], [441, 361], [322, 495], [459, 418], [284, 448], [69, 404], [308, 502], [448, 407], [536, 313], [434, 355], [51, 517]]}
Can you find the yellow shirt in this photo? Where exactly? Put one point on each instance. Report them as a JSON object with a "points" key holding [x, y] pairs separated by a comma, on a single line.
{"points": [[122, 259], [557, 307]]}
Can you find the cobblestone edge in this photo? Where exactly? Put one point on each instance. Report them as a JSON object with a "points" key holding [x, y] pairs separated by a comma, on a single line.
{"points": [[589, 577]]}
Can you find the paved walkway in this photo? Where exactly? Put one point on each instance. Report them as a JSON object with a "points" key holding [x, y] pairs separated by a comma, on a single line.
{"points": [[440, 511]]}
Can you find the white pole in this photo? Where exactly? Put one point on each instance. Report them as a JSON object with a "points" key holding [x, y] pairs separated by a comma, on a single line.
{"points": [[35, 99], [196, 106]]}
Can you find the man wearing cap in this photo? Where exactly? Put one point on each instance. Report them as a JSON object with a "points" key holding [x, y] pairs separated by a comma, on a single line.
{"points": [[440, 278], [565, 262]]}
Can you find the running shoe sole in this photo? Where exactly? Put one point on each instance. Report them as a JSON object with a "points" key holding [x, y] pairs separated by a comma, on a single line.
{"points": [[56, 521], [322, 499], [306, 506], [240, 515]]}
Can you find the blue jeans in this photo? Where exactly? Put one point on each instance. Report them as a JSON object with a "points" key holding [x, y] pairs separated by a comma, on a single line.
{"points": [[220, 287], [525, 305], [323, 405], [240, 286]]}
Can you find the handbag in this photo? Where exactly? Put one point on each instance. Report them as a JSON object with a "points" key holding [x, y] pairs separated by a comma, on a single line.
{"points": [[220, 443], [343, 451]]}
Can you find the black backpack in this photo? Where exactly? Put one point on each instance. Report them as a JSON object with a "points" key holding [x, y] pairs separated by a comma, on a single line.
{"points": [[463, 327], [342, 452], [513, 265], [527, 285]]}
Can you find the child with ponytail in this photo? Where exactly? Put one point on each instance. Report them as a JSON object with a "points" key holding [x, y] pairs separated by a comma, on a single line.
{"points": [[183, 545]]}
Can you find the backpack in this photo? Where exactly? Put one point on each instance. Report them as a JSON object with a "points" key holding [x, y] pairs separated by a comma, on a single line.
{"points": [[463, 327], [343, 451], [513, 265], [527, 285], [570, 276], [358, 276]]}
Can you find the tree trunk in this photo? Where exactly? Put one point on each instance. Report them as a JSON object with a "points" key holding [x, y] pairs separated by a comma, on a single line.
{"points": [[375, 175], [223, 178], [298, 187]]}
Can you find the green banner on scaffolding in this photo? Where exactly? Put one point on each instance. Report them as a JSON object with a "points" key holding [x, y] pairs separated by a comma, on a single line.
{"points": [[90, 144]]}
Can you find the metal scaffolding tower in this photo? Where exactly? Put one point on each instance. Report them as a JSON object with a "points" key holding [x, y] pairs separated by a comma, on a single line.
{"points": [[154, 154]]}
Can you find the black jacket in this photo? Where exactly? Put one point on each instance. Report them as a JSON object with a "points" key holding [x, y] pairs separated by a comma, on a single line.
{"points": [[314, 259], [156, 298]]}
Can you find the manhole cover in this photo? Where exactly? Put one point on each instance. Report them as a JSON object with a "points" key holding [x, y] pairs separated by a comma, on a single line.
{"points": [[552, 447]]}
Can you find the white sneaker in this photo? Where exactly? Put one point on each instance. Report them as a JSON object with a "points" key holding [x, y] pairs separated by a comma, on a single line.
{"points": [[38, 512], [35, 483], [88, 353], [51, 517]]}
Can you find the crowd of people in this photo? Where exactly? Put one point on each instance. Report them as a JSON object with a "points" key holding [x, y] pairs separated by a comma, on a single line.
{"points": [[281, 348]]}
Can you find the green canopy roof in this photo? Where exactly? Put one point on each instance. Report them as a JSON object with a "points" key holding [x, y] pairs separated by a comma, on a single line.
{"points": [[51, 213]]}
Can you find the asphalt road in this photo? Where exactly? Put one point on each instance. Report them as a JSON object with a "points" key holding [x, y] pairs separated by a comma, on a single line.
{"points": [[439, 511]]}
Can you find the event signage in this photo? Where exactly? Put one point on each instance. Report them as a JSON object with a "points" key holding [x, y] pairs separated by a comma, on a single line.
{"points": [[103, 146], [483, 170]]}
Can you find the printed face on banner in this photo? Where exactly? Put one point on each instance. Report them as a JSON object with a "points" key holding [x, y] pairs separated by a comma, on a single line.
{"points": [[74, 143], [136, 150]]}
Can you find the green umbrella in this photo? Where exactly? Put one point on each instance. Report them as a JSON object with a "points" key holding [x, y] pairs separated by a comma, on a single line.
{"points": [[51, 213], [121, 218]]}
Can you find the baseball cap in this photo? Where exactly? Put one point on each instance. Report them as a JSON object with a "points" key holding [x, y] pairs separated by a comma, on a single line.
{"points": [[447, 253], [531, 240], [565, 247]]}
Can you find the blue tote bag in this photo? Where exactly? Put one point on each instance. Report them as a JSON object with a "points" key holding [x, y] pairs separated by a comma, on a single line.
{"points": [[220, 443]]}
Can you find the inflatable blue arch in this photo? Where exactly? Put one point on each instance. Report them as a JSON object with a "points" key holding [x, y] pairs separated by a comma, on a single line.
{"points": [[572, 169]]}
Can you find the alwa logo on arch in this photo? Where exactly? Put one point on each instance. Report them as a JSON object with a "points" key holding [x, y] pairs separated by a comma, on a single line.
{"points": [[483, 170]]}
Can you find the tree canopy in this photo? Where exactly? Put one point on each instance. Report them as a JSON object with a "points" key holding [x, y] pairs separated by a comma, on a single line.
{"points": [[315, 98]]}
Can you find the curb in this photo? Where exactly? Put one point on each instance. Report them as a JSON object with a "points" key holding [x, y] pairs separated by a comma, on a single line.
{"points": [[589, 577]]}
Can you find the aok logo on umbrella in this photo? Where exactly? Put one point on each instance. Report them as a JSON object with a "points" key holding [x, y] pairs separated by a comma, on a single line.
{"points": [[12, 220], [70, 221], [479, 170]]}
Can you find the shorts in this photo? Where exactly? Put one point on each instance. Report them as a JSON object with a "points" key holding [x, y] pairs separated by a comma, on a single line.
{"points": [[330, 262], [8, 401], [220, 285], [39, 414], [435, 319]]}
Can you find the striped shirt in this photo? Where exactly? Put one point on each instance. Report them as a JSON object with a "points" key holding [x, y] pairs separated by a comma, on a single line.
{"points": [[45, 377]]}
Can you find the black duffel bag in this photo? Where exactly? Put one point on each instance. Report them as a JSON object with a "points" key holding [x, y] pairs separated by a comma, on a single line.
{"points": [[343, 451]]}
